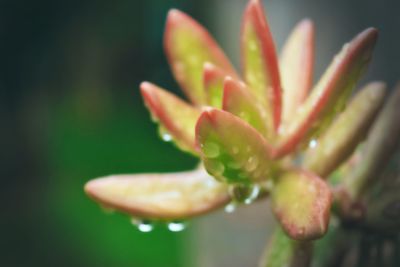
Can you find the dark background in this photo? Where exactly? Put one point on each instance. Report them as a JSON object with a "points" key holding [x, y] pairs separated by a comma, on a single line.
{"points": [[71, 111]]}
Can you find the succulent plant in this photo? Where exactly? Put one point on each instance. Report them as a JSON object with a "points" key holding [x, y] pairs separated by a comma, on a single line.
{"points": [[264, 133]]}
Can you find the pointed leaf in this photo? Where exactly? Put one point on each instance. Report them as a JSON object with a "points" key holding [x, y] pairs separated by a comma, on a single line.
{"points": [[259, 58], [238, 101], [177, 119], [213, 78], [301, 201], [160, 196], [346, 132], [188, 46], [284, 251], [330, 94], [296, 66], [382, 141], [232, 151]]}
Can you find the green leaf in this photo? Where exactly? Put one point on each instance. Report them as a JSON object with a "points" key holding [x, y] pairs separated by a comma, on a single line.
{"points": [[346, 132], [213, 78], [232, 150], [177, 118], [160, 196], [238, 101], [301, 201], [330, 94], [188, 46], [296, 67], [260, 62]]}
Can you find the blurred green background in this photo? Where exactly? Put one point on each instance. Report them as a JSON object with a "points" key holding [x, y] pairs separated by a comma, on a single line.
{"points": [[71, 111]]}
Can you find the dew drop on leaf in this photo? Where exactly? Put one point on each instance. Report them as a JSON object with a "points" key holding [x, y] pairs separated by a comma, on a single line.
{"points": [[313, 143], [165, 135], [252, 163], [210, 150]]}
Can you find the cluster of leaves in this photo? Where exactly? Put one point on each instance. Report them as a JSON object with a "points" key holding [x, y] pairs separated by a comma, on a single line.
{"points": [[264, 133]]}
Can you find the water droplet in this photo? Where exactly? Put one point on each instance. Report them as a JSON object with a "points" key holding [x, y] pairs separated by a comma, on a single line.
{"points": [[216, 168], [253, 194], [144, 226], [234, 165], [313, 143], [210, 150], [244, 193], [252, 164], [176, 226], [231, 207], [165, 135]]}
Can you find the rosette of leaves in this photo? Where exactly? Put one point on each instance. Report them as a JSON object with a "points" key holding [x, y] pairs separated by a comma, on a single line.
{"points": [[251, 130]]}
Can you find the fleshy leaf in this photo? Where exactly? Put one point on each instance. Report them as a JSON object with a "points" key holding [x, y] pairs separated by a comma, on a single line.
{"points": [[260, 64], [188, 46], [160, 196], [213, 78], [330, 94], [284, 251], [232, 150], [382, 142], [177, 118], [345, 133], [301, 201], [296, 66], [238, 101]]}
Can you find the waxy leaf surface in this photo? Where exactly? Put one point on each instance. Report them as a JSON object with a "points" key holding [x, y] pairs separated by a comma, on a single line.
{"points": [[238, 101], [188, 46], [382, 141], [213, 79], [260, 63], [301, 201], [177, 118], [296, 66], [232, 150], [346, 132], [160, 196], [330, 94]]}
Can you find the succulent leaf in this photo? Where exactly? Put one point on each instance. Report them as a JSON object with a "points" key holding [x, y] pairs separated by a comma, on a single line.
{"points": [[260, 64], [284, 251], [188, 46], [175, 116], [382, 141], [213, 78], [160, 196], [301, 201], [345, 133], [330, 94], [296, 66], [232, 150], [238, 101]]}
